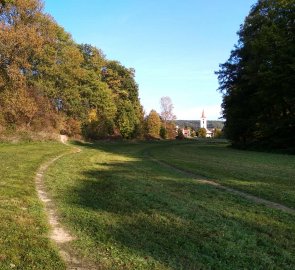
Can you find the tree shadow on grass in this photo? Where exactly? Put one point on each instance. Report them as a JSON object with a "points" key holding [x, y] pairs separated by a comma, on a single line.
{"points": [[159, 215], [146, 219]]}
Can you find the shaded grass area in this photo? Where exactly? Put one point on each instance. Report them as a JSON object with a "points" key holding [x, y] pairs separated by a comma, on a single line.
{"points": [[131, 213], [269, 176], [23, 227]]}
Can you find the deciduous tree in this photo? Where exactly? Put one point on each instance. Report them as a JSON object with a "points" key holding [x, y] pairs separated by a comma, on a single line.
{"points": [[153, 124], [167, 114], [258, 80], [202, 133], [47, 80]]}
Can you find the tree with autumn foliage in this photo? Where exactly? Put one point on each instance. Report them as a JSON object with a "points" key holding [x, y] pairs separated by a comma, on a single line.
{"points": [[47, 81], [167, 114], [168, 118], [129, 116], [153, 123], [202, 132], [21, 40]]}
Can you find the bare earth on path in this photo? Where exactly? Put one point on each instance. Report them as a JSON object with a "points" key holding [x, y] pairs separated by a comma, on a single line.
{"points": [[62, 237], [250, 197], [58, 234]]}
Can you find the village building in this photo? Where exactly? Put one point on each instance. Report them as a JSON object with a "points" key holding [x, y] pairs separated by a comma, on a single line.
{"points": [[186, 132], [203, 124]]}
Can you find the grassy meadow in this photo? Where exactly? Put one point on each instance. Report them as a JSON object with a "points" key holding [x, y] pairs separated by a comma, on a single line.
{"points": [[23, 227], [266, 175], [130, 212]]}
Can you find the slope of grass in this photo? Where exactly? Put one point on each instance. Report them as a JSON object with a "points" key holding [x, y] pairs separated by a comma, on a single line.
{"points": [[129, 212], [23, 228], [270, 176]]}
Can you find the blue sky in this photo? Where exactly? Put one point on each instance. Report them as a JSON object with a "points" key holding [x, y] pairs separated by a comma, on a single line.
{"points": [[174, 45]]}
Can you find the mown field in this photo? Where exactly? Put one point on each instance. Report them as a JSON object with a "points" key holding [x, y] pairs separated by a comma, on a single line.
{"points": [[24, 240], [130, 212], [270, 176]]}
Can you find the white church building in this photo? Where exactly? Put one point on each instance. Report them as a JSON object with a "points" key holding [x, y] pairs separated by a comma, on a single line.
{"points": [[203, 124]]}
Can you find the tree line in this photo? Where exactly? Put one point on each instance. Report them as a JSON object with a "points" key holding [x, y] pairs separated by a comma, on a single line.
{"points": [[258, 80], [49, 82]]}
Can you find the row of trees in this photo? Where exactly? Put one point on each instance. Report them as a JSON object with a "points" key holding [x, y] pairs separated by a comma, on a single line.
{"points": [[47, 81], [162, 125], [258, 80], [50, 83]]}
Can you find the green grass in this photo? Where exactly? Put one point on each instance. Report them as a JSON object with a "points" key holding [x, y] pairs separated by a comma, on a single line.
{"points": [[129, 212], [23, 227], [270, 176]]}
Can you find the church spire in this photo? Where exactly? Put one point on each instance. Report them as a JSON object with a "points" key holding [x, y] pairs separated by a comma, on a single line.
{"points": [[203, 114], [203, 121]]}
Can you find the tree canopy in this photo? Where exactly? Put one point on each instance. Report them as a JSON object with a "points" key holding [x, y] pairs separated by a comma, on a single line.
{"points": [[168, 118], [47, 81], [258, 80], [153, 124], [167, 114]]}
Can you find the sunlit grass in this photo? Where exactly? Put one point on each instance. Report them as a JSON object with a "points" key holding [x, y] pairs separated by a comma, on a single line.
{"points": [[23, 228], [129, 212], [270, 176]]}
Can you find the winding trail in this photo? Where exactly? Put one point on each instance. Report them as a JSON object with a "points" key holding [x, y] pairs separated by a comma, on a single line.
{"points": [[245, 195], [58, 234], [62, 237]]}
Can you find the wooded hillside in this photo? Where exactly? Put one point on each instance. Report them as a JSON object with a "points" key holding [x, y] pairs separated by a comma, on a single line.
{"points": [[49, 82]]}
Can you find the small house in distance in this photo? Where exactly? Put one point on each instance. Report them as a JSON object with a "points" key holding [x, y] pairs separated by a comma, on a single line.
{"points": [[186, 132]]}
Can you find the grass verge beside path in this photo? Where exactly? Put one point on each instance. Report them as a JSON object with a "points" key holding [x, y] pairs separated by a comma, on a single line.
{"points": [[24, 240], [269, 176], [129, 212]]}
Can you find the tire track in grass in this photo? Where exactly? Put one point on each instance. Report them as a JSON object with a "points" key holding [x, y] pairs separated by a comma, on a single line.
{"points": [[245, 195], [58, 234]]}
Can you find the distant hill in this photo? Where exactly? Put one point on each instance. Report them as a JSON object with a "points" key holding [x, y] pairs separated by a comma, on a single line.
{"points": [[195, 124]]}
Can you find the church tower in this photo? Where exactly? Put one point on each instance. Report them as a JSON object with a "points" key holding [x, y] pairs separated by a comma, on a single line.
{"points": [[203, 121]]}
